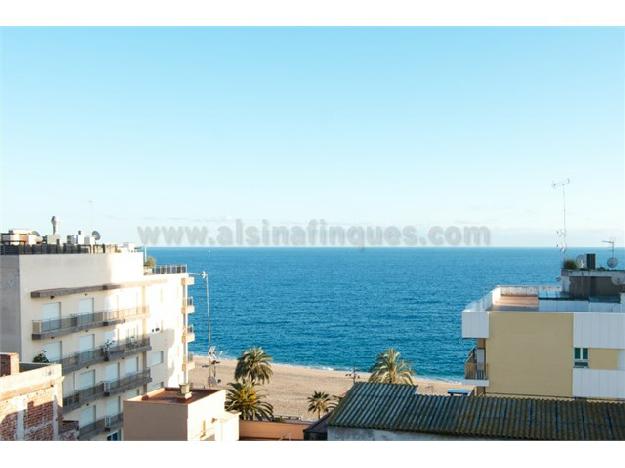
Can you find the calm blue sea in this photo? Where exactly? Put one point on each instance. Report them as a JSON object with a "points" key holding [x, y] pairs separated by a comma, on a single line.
{"points": [[337, 308]]}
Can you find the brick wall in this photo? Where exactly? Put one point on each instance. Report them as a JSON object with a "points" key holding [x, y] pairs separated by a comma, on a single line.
{"points": [[29, 416], [8, 426], [9, 363]]}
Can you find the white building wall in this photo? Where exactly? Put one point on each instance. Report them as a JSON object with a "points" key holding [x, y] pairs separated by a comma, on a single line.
{"points": [[599, 330], [164, 324], [598, 383]]}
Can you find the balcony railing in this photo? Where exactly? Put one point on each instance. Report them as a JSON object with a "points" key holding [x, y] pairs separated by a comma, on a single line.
{"points": [[64, 326], [102, 389], [472, 369], [166, 270], [126, 383], [108, 423], [103, 353]]}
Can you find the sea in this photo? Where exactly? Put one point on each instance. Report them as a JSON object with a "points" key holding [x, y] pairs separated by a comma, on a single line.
{"points": [[337, 308]]}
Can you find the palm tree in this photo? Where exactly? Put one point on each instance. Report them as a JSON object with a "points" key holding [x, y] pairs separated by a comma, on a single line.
{"points": [[254, 365], [320, 402], [245, 399], [389, 368]]}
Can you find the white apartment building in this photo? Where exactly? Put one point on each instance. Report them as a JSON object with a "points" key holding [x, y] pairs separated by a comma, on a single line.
{"points": [[118, 329]]}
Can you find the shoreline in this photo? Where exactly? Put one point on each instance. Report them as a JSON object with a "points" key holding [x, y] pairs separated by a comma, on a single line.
{"points": [[321, 367], [291, 384]]}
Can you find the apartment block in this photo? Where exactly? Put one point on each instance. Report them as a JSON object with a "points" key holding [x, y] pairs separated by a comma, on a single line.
{"points": [[561, 340], [30, 401], [118, 329]]}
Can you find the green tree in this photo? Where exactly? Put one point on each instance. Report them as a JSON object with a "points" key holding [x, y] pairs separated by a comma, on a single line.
{"points": [[150, 262], [245, 399], [390, 368], [41, 357], [254, 365], [320, 403]]}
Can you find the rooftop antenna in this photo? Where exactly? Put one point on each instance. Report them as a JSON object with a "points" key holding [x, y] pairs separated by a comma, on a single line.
{"points": [[612, 261], [561, 233]]}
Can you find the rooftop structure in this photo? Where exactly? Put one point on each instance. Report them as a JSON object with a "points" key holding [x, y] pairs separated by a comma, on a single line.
{"points": [[117, 328], [165, 414], [562, 340], [31, 401], [372, 411]]}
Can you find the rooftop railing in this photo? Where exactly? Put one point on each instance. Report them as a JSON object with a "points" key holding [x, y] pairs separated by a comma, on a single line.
{"points": [[166, 270], [102, 389], [39, 249], [63, 326], [117, 350], [486, 302]]}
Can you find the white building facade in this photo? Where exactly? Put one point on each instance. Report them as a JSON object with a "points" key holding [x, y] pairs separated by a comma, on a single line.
{"points": [[118, 329]]}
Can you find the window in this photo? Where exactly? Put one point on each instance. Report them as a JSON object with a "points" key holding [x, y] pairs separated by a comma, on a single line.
{"points": [[156, 357], [86, 380], [114, 436], [132, 366], [580, 357], [53, 351], [51, 311]]}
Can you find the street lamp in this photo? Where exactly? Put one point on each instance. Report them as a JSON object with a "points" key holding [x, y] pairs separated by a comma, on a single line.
{"points": [[212, 360]]}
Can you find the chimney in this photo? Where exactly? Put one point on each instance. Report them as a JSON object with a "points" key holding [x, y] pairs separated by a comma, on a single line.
{"points": [[9, 364], [590, 261]]}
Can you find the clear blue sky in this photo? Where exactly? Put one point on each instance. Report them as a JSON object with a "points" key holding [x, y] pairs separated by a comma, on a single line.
{"points": [[379, 125]]}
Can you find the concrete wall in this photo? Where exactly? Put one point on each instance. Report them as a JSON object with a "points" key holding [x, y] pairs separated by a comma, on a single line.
{"points": [[530, 353], [154, 421], [10, 318], [202, 419], [269, 430], [603, 358]]}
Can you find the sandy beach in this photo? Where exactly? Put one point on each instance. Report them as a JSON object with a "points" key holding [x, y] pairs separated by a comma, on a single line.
{"points": [[291, 385]]}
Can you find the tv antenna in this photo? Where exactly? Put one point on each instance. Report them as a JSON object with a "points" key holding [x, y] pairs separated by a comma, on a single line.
{"points": [[612, 261], [561, 233]]}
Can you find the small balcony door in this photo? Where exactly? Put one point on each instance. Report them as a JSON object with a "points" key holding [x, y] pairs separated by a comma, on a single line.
{"points": [[132, 365], [111, 372], [53, 351], [86, 380], [86, 343]]}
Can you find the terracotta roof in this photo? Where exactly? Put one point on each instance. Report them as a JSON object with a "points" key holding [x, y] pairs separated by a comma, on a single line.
{"points": [[399, 408]]}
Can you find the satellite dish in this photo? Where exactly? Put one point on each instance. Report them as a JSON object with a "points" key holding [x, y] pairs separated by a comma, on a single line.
{"points": [[581, 261], [612, 262], [96, 235]]}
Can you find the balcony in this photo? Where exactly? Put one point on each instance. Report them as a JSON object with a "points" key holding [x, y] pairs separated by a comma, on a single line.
{"points": [[125, 348], [106, 424], [475, 372], [166, 270], [189, 335], [126, 383], [187, 306], [64, 326], [102, 389]]}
